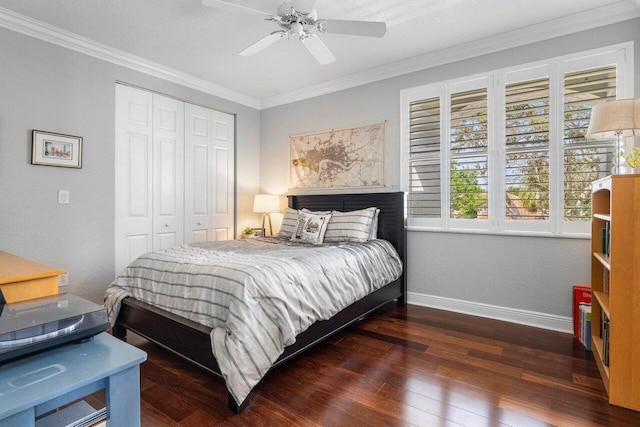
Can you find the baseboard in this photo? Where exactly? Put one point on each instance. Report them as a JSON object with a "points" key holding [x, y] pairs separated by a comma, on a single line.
{"points": [[524, 317]]}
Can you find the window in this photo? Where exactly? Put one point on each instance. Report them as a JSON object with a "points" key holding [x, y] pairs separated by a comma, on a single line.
{"points": [[469, 155], [424, 155], [506, 151], [527, 150], [584, 161]]}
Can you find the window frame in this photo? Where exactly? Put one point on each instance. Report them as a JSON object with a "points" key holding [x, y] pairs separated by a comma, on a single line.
{"points": [[555, 69], [516, 76], [484, 82]]}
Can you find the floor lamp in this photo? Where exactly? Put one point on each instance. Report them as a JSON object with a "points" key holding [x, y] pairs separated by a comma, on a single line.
{"points": [[266, 204], [619, 119]]}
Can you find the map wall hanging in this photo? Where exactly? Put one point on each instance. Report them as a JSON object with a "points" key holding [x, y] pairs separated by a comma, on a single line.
{"points": [[339, 158]]}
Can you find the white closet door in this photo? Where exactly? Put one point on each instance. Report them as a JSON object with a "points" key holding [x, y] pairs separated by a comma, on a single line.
{"points": [[174, 166], [134, 172], [197, 195], [223, 224], [168, 172], [209, 175]]}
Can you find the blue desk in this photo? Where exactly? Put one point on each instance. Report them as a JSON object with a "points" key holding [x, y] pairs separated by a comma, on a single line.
{"points": [[37, 384]]}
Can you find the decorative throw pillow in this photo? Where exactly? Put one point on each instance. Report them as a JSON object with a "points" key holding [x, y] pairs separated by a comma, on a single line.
{"points": [[289, 222], [310, 228], [373, 229], [353, 226]]}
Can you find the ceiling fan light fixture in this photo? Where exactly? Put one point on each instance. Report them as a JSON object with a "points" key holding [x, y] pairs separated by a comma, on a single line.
{"points": [[296, 29], [298, 18]]}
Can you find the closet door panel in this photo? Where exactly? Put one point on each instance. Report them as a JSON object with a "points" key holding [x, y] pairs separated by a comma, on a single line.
{"points": [[197, 174], [136, 164], [168, 165], [198, 230], [221, 162], [222, 234], [223, 220], [133, 171]]}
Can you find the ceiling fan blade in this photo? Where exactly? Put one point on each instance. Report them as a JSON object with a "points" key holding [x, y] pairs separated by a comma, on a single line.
{"points": [[231, 7], [354, 28], [262, 43], [304, 6], [318, 49]]}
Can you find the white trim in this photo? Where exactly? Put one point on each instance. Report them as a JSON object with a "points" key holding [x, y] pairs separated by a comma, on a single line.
{"points": [[518, 233], [552, 322], [598, 17], [57, 36]]}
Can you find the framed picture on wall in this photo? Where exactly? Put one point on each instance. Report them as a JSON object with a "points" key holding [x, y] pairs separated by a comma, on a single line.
{"points": [[339, 158], [56, 149]]}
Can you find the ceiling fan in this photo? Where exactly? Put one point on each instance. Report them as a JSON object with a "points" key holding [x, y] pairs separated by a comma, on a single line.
{"points": [[298, 18]]}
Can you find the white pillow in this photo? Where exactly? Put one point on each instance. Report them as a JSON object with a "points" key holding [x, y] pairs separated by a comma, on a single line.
{"points": [[310, 228], [289, 221], [373, 232], [353, 226]]}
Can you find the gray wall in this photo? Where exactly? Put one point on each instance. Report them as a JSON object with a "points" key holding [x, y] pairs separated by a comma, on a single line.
{"points": [[528, 273], [49, 88], [46, 87]]}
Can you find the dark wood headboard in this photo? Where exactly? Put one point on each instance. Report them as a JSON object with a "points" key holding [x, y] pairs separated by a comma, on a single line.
{"points": [[391, 221]]}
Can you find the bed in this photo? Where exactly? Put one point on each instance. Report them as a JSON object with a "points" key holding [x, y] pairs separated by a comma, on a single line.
{"points": [[192, 340]]}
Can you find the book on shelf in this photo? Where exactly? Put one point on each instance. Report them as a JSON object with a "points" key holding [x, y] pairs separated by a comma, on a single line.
{"points": [[605, 281], [585, 325], [605, 339], [581, 294], [606, 239]]}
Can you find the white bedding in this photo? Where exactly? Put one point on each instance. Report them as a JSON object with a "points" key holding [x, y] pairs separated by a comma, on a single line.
{"points": [[257, 294]]}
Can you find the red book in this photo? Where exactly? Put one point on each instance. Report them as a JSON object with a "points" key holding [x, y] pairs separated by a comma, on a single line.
{"points": [[581, 294]]}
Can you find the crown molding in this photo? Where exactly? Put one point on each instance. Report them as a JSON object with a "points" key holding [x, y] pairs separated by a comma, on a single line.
{"points": [[598, 17], [621, 11], [57, 36]]}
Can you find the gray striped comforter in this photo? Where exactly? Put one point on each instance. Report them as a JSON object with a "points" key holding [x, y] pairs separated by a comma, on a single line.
{"points": [[256, 294]]}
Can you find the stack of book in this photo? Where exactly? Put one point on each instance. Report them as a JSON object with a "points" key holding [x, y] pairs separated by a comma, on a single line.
{"points": [[585, 325], [581, 295]]}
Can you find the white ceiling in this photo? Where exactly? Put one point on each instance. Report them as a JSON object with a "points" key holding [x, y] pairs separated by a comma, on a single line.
{"points": [[200, 44]]}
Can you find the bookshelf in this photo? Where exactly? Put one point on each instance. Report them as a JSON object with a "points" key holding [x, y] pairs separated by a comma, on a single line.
{"points": [[615, 285]]}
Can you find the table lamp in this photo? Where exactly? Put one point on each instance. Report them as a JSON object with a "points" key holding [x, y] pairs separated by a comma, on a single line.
{"points": [[619, 119], [266, 204]]}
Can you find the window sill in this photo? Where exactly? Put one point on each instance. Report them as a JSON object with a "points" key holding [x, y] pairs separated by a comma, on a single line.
{"points": [[583, 236]]}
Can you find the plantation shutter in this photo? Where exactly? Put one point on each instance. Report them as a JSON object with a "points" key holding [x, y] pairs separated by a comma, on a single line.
{"points": [[584, 160], [424, 200], [505, 151], [527, 150], [469, 155]]}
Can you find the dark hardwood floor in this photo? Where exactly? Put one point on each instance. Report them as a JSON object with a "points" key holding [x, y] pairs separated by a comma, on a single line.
{"points": [[400, 367]]}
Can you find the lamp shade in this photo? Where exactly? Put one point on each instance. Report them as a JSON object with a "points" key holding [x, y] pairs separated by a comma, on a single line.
{"points": [[266, 203], [610, 118]]}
